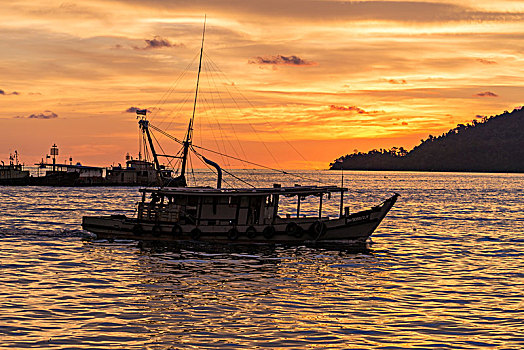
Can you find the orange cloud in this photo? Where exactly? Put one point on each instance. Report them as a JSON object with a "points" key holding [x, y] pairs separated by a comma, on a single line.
{"points": [[395, 81], [484, 61]]}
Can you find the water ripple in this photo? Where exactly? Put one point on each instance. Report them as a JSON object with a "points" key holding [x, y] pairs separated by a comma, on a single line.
{"points": [[444, 271]]}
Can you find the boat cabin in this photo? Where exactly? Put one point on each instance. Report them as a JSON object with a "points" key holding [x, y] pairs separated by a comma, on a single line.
{"points": [[136, 172], [83, 171], [223, 207], [13, 171]]}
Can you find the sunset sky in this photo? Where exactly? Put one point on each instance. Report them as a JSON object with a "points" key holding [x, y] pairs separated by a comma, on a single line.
{"points": [[314, 79]]}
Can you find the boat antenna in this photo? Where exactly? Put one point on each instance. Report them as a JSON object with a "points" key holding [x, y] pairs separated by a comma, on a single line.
{"points": [[187, 141]]}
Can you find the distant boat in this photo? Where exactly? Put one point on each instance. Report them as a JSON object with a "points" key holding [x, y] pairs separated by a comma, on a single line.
{"points": [[13, 173], [137, 172], [176, 213]]}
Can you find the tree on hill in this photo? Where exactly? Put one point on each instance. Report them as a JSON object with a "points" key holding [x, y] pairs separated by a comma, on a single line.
{"points": [[494, 144]]}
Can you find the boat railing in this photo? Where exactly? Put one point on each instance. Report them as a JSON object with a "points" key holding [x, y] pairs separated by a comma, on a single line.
{"points": [[159, 212]]}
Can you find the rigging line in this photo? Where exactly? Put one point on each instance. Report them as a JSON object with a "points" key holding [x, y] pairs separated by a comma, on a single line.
{"points": [[192, 168], [212, 75], [166, 134], [169, 160], [236, 177], [221, 131], [265, 121], [144, 144], [178, 108], [224, 170], [139, 143], [228, 116], [189, 131], [199, 157], [142, 147], [259, 165], [238, 107], [250, 125], [220, 127], [166, 94], [214, 89], [236, 158], [178, 160], [223, 137]]}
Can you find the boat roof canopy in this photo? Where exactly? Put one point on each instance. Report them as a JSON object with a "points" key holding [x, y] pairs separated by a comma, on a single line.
{"points": [[71, 166], [208, 191]]}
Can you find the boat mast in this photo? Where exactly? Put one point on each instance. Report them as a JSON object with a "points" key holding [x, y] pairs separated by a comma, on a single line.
{"points": [[189, 134], [144, 125]]}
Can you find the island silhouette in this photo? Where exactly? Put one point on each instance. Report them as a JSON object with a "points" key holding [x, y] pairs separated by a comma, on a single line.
{"points": [[489, 144]]}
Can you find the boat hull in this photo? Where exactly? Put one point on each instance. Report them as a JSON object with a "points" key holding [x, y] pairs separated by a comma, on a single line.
{"points": [[355, 227]]}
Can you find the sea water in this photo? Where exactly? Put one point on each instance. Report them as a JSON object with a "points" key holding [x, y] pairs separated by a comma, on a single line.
{"points": [[445, 270]]}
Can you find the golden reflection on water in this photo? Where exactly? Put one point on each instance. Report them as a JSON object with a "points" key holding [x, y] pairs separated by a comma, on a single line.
{"points": [[445, 272]]}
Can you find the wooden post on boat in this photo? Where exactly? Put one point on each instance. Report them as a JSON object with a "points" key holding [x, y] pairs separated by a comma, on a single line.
{"points": [[276, 199], [298, 206], [341, 201], [341, 190], [320, 207]]}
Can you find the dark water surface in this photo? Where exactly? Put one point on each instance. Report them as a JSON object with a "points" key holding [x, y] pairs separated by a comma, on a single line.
{"points": [[445, 270]]}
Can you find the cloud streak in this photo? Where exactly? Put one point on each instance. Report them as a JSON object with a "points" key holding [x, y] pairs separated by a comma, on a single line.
{"points": [[2, 92], [281, 60], [327, 11], [351, 109], [157, 43], [397, 81], [45, 115], [487, 94], [484, 61], [134, 109]]}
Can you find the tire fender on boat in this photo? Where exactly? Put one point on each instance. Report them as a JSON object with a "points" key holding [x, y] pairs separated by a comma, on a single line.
{"points": [[195, 234], [317, 229], [157, 230], [176, 230], [294, 229], [269, 231], [233, 234], [251, 232], [138, 229]]}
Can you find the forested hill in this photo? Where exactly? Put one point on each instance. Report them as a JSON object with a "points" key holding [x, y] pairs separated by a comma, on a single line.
{"points": [[494, 144]]}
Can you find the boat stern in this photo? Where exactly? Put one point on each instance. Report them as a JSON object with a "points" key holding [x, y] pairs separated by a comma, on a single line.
{"points": [[106, 226]]}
